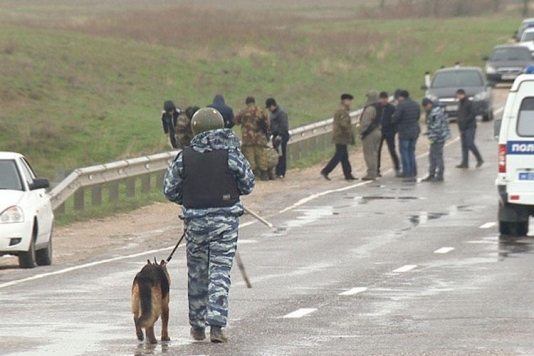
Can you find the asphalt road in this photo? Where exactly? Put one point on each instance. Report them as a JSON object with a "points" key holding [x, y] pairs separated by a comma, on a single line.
{"points": [[386, 268]]}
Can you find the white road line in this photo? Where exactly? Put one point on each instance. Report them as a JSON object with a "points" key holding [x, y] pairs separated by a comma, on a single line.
{"points": [[444, 250], [405, 268], [70, 269], [488, 225], [354, 291], [300, 313]]}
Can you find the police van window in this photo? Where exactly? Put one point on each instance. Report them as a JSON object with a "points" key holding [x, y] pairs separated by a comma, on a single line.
{"points": [[525, 120]]}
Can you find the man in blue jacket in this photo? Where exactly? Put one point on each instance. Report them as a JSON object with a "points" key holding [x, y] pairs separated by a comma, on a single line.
{"points": [[226, 111], [207, 179], [406, 117]]}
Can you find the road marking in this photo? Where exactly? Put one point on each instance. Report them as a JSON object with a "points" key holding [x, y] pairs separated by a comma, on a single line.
{"points": [[444, 250], [405, 268], [300, 313], [488, 225], [239, 242], [354, 291]]}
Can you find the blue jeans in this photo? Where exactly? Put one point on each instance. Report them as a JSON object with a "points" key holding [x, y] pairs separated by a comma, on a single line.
{"points": [[407, 151]]}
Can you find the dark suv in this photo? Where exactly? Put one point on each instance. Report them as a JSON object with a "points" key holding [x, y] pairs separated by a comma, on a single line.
{"points": [[507, 62], [447, 81]]}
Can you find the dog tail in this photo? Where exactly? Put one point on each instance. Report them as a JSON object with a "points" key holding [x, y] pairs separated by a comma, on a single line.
{"points": [[148, 300]]}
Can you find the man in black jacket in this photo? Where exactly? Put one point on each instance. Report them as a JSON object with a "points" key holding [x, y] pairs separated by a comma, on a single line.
{"points": [[226, 111], [169, 117], [467, 124], [280, 132], [385, 111], [406, 117]]}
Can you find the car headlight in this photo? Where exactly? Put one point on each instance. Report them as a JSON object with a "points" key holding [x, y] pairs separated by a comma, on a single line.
{"points": [[481, 96], [490, 70], [11, 215]]}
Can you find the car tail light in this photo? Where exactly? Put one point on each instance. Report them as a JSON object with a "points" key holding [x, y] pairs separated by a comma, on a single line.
{"points": [[502, 158]]}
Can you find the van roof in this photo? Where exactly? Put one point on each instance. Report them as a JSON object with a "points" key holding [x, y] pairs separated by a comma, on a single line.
{"points": [[520, 80]]}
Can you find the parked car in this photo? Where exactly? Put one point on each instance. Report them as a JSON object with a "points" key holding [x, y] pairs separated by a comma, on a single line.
{"points": [[527, 40], [515, 180], [507, 62], [446, 81], [525, 24], [26, 216]]}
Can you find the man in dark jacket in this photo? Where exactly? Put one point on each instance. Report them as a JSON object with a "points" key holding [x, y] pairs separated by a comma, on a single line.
{"points": [[226, 111], [467, 124], [342, 136], [169, 115], [280, 133], [406, 117], [385, 111]]}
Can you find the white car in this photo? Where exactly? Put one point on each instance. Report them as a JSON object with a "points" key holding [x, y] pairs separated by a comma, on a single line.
{"points": [[527, 40], [26, 216]]}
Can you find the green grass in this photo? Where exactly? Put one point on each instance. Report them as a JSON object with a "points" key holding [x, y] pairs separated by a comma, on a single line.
{"points": [[77, 94]]}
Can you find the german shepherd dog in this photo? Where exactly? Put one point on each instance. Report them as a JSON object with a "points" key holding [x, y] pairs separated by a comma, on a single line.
{"points": [[150, 299]]}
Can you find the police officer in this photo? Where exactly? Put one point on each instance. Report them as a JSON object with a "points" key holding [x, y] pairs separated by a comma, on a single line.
{"points": [[207, 179]]}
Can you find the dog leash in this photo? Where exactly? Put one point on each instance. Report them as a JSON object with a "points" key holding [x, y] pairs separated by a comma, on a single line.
{"points": [[175, 247]]}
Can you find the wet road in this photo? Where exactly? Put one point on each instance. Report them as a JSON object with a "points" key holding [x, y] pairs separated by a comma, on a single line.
{"points": [[387, 268]]}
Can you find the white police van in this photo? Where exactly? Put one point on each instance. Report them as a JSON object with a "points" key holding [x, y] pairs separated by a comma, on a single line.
{"points": [[515, 181]]}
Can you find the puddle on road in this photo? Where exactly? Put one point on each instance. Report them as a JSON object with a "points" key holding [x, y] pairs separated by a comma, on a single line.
{"points": [[424, 217], [370, 198]]}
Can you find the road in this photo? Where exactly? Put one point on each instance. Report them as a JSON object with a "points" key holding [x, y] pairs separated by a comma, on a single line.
{"points": [[383, 268]]}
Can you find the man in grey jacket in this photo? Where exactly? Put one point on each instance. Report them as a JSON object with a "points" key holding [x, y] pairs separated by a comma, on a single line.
{"points": [[371, 134]]}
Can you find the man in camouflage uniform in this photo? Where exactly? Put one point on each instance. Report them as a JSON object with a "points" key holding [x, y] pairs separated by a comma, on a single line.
{"points": [[254, 128], [207, 179], [184, 134]]}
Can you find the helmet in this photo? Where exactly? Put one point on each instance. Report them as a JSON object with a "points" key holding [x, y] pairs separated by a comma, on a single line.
{"points": [[206, 119]]}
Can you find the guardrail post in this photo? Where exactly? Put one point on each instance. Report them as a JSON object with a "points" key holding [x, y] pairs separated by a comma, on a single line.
{"points": [[113, 188], [60, 209], [145, 183], [79, 199], [130, 186], [160, 176], [96, 197]]}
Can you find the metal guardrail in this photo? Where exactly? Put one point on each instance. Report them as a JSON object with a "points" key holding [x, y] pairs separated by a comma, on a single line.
{"points": [[304, 140]]}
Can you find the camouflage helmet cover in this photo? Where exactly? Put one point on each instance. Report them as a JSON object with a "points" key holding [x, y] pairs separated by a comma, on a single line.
{"points": [[206, 119]]}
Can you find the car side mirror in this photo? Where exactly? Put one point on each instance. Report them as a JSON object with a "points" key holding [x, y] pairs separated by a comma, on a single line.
{"points": [[497, 129], [485, 58], [40, 183], [424, 87]]}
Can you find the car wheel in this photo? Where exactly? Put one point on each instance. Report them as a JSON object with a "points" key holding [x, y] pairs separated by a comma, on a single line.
{"points": [[521, 228], [44, 257], [27, 258]]}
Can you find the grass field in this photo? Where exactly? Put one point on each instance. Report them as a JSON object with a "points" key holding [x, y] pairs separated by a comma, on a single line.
{"points": [[83, 82]]}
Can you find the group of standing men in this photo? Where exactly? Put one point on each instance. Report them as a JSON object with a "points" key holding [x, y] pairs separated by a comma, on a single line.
{"points": [[264, 139], [380, 121]]}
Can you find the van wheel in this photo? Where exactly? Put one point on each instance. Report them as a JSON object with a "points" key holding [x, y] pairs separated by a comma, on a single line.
{"points": [[504, 228], [27, 258], [521, 228]]}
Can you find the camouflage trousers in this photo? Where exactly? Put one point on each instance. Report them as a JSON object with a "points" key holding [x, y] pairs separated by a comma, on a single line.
{"points": [[256, 156], [211, 247]]}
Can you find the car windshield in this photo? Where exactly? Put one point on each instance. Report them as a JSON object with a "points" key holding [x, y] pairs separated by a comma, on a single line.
{"points": [[510, 54], [457, 79], [525, 120], [9, 175], [527, 36]]}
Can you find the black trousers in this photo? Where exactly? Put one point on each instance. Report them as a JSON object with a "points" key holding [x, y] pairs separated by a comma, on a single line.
{"points": [[341, 155], [281, 167], [390, 141]]}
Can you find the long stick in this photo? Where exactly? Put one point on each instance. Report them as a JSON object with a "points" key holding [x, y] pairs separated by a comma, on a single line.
{"points": [[262, 220], [242, 269]]}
